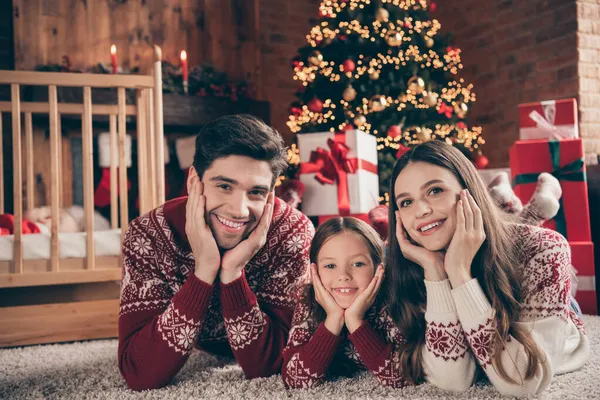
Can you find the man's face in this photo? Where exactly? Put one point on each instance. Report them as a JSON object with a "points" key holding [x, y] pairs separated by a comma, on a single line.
{"points": [[236, 190]]}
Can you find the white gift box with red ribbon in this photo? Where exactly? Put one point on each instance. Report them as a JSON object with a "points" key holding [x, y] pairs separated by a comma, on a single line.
{"points": [[553, 119], [339, 172]]}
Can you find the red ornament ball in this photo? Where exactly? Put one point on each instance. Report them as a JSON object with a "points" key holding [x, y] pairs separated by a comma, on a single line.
{"points": [[481, 161], [394, 131], [296, 111], [342, 37], [432, 6], [349, 66], [315, 105]]}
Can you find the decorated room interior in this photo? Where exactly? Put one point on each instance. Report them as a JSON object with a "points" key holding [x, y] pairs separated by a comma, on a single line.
{"points": [[101, 101]]}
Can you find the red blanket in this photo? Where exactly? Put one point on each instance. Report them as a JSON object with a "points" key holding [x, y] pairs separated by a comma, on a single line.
{"points": [[7, 225]]}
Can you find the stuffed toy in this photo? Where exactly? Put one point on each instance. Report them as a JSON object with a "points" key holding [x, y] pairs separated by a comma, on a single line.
{"points": [[291, 191]]}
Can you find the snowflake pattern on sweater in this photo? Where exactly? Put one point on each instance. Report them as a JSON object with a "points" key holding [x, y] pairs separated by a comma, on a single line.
{"points": [[166, 311], [313, 352]]}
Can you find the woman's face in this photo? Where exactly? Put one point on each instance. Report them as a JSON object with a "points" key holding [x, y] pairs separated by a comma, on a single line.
{"points": [[426, 196]]}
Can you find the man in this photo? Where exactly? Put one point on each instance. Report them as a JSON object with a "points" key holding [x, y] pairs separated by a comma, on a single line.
{"points": [[217, 269]]}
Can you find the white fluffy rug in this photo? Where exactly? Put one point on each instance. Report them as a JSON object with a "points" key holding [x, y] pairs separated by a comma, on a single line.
{"points": [[88, 370]]}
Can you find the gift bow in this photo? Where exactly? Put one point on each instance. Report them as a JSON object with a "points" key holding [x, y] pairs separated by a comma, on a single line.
{"points": [[570, 172], [546, 125]]}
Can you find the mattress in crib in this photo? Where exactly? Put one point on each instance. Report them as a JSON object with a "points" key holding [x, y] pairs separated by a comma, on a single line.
{"points": [[71, 245]]}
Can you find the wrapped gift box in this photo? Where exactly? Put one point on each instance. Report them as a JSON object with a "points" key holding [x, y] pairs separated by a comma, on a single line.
{"points": [[554, 119], [339, 171], [564, 160], [582, 258]]}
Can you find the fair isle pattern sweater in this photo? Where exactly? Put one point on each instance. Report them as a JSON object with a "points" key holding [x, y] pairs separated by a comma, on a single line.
{"points": [[166, 310], [545, 259], [460, 328], [313, 353]]}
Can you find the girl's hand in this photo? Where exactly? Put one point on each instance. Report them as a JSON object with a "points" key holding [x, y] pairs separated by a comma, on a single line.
{"points": [[467, 240], [355, 314], [335, 314], [431, 261]]}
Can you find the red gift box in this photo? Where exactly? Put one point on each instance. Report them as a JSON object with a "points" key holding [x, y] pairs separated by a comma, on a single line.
{"points": [[564, 160], [554, 119], [582, 258], [364, 217]]}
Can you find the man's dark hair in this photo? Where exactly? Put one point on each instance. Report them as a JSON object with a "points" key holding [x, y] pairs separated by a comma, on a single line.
{"points": [[240, 135]]}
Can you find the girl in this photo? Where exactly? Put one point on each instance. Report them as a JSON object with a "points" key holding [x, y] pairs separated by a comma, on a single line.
{"points": [[340, 325], [504, 286]]}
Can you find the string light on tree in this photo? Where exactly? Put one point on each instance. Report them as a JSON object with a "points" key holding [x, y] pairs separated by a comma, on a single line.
{"points": [[370, 64]]}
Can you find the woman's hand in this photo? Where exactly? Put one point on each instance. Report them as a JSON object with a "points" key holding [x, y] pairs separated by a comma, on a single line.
{"points": [[354, 315], [335, 314], [467, 239], [431, 261]]}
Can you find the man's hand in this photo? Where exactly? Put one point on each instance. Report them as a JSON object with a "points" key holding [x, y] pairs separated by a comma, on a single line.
{"points": [[202, 242], [235, 260]]}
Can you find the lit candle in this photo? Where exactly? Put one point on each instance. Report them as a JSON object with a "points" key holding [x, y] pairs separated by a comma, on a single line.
{"points": [[113, 58], [184, 70]]}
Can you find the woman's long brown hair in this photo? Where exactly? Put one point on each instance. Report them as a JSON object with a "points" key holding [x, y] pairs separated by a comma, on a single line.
{"points": [[326, 231], [495, 266]]}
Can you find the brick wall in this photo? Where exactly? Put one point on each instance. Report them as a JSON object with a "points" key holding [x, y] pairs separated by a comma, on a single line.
{"points": [[588, 32], [513, 52], [283, 28]]}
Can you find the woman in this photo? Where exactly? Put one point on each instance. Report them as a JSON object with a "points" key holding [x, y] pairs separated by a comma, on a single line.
{"points": [[505, 286]]}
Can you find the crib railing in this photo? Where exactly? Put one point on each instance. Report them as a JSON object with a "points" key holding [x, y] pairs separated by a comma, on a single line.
{"points": [[148, 112]]}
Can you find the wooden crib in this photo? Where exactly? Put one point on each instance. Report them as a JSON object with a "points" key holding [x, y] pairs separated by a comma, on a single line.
{"points": [[61, 299]]}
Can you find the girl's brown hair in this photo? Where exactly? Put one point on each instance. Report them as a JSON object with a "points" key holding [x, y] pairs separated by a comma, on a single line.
{"points": [[325, 232], [495, 266]]}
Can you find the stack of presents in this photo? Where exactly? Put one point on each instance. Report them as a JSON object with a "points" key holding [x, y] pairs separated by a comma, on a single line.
{"points": [[549, 142], [339, 171]]}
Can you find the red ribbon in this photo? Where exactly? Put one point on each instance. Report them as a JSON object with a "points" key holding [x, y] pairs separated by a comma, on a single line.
{"points": [[445, 109], [333, 166]]}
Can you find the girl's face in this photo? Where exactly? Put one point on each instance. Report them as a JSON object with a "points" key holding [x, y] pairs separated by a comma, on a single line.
{"points": [[345, 267], [426, 196]]}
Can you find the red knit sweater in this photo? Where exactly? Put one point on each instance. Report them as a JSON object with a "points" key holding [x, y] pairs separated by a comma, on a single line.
{"points": [[166, 310]]}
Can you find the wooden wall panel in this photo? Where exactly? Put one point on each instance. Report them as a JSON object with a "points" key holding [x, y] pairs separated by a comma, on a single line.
{"points": [[223, 32]]}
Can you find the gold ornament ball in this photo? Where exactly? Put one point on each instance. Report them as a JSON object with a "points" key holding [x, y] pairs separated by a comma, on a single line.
{"points": [[428, 42], [382, 15], [430, 99], [416, 85], [461, 109], [360, 120], [349, 93], [394, 38], [374, 75], [315, 58], [423, 135], [378, 103]]}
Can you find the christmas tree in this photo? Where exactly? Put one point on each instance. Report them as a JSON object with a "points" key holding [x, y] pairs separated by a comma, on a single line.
{"points": [[382, 66]]}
